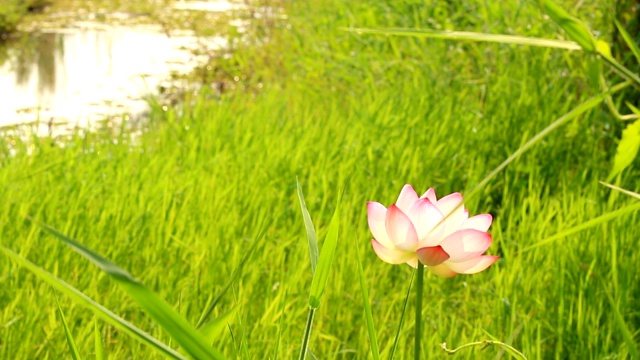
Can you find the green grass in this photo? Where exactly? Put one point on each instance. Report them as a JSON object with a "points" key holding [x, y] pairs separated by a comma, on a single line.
{"points": [[178, 205]]}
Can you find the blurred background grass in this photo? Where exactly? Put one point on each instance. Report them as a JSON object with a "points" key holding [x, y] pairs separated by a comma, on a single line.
{"points": [[178, 203]]}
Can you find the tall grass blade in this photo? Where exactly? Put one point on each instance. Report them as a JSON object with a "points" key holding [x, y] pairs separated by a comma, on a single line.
{"points": [[576, 30], [98, 341], [175, 325], [628, 40], [319, 282], [591, 223], [212, 330], [515, 353], [282, 308], [234, 275], [575, 112], [624, 191], [75, 354], [373, 340], [627, 149], [312, 239], [401, 322], [97, 309], [471, 36], [622, 325], [622, 70]]}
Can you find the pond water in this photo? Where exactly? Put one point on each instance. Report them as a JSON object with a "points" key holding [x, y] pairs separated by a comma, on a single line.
{"points": [[57, 80]]}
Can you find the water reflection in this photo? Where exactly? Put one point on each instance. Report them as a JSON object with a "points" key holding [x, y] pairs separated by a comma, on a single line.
{"points": [[79, 76]]}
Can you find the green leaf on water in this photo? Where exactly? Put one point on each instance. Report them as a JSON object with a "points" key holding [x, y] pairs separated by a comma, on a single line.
{"points": [[312, 239], [162, 313], [89, 303], [627, 149], [320, 277], [75, 354], [575, 29]]}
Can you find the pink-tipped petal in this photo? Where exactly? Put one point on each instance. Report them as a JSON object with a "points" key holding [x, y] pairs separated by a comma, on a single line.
{"points": [[480, 222], [406, 198], [454, 212], [466, 244], [432, 255], [472, 266], [377, 215], [442, 271], [400, 229], [425, 217], [391, 256], [431, 195]]}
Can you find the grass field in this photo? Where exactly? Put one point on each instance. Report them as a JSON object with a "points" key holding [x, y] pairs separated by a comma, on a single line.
{"points": [[179, 204]]}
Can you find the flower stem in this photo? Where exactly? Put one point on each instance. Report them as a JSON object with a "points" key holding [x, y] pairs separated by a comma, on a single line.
{"points": [[307, 334], [418, 325]]}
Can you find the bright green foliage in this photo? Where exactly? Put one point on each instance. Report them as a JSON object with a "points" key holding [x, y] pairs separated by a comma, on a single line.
{"points": [[366, 303], [179, 203], [99, 349], [627, 149], [312, 239], [575, 29], [191, 341], [73, 349], [321, 276]]}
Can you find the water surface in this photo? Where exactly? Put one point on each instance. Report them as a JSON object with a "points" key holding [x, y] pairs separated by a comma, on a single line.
{"points": [[80, 76]]}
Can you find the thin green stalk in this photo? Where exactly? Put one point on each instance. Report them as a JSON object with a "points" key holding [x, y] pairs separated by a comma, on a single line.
{"points": [[510, 349], [418, 326], [307, 334], [404, 311]]}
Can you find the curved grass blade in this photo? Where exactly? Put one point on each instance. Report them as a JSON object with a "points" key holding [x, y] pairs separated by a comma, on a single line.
{"points": [[508, 348], [621, 70], [319, 282], [624, 191], [575, 112], [312, 238], [213, 328], [619, 319], [576, 30], [98, 341], [234, 275], [591, 223], [373, 340], [75, 354], [162, 313], [628, 40], [90, 304], [404, 310], [471, 36], [282, 308], [627, 149]]}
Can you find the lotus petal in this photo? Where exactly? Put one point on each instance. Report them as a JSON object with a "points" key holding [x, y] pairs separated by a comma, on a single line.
{"points": [[432, 255], [392, 256], [466, 244], [377, 215], [472, 266], [400, 229]]}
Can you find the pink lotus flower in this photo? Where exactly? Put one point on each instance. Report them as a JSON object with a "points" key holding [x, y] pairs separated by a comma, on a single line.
{"points": [[413, 229]]}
